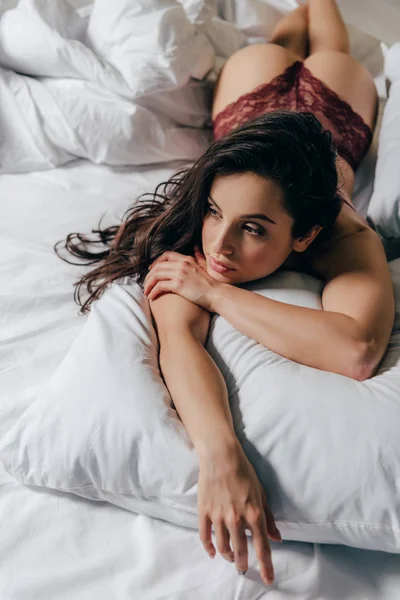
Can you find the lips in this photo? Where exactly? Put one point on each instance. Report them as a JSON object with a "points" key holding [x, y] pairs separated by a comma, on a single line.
{"points": [[221, 264], [217, 265]]}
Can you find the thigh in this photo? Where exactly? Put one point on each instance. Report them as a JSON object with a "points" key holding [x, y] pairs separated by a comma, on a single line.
{"points": [[349, 79], [248, 68]]}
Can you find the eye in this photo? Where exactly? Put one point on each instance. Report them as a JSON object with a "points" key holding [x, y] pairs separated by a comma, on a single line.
{"points": [[259, 231], [253, 231], [211, 210]]}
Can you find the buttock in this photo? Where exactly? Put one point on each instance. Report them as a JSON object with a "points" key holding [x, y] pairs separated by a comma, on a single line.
{"points": [[298, 89]]}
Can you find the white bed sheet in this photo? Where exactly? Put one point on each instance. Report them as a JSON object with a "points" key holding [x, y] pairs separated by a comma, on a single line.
{"points": [[55, 546]]}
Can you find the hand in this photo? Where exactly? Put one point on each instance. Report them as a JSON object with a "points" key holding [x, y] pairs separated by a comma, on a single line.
{"points": [[231, 498], [183, 275]]}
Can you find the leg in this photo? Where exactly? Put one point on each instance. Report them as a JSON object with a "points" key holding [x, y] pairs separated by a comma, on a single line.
{"points": [[288, 43], [326, 28], [291, 32], [329, 60], [354, 84], [248, 68], [315, 25]]}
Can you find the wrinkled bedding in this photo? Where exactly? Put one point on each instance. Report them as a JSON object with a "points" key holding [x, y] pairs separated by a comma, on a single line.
{"points": [[59, 83], [120, 86], [122, 82], [56, 546]]}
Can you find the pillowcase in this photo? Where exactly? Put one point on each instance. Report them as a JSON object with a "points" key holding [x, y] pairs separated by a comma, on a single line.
{"points": [[325, 447], [384, 210]]}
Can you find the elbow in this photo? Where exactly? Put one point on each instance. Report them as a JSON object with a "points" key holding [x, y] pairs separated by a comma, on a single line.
{"points": [[366, 361]]}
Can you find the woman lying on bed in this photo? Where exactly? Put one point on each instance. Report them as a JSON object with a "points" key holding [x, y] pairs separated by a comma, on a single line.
{"points": [[273, 191]]}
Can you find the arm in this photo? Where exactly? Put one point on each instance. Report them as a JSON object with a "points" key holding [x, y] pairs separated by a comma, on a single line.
{"points": [[192, 377], [349, 336], [229, 493]]}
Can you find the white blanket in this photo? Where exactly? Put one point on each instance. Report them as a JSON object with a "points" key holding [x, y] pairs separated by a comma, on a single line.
{"points": [[121, 86], [128, 82]]}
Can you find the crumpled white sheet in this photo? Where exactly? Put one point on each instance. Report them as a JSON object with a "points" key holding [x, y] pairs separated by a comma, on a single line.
{"points": [[56, 546], [128, 82], [120, 86]]}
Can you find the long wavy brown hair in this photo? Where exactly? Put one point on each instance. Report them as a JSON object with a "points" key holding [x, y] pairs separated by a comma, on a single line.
{"points": [[289, 147]]}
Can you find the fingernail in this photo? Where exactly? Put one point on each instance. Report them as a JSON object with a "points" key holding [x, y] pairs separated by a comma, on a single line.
{"points": [[241, 572], [278, 534]]}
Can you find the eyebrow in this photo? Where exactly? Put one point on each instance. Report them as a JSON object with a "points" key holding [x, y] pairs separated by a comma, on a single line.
{"points": [[255, 216]]}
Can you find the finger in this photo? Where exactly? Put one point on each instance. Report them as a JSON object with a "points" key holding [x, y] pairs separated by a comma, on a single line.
{"points": [[160, 288], [262, 548], [201, 261], [165, 256], [149, 282], [222, 537], [272, 529], [199, 255], [162, 272], [159, 259], [239, 542], [205, 534], [171, 256]]}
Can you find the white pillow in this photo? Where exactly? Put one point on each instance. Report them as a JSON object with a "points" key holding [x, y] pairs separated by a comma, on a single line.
{"points": [[384, 207], [325, 447]]}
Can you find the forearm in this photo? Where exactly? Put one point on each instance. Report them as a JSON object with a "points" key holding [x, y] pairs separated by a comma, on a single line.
{"points": [[199, 393], [316, 338]]}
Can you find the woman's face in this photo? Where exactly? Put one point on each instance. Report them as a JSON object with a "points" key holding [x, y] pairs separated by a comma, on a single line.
{"points": [[246, 228]]}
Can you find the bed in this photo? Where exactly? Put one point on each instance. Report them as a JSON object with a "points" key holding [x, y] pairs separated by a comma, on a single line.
{"points": [[59, 546]]}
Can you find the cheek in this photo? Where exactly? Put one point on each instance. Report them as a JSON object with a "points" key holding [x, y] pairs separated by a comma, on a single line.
{"points": [[266, 258], [258, 258], [206, 235]]}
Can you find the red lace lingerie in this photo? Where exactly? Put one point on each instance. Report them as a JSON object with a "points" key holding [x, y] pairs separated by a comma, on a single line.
{"points": [[297, 89]]}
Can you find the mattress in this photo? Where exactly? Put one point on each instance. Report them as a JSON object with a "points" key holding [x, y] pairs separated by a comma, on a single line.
{"points": [[56, 546]]}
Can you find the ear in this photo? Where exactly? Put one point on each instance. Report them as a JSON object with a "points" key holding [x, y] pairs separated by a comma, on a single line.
{"points": [[301, 244]]}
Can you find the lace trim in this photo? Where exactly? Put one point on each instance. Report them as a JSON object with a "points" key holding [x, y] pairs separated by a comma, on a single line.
{"points": [[298, 89]]}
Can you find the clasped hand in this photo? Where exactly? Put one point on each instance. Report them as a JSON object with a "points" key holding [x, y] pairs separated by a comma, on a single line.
{"points": [[182, 275]]}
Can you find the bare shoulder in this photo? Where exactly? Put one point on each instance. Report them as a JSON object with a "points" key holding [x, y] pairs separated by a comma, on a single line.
{"points": [[320, 258], [352, 244], [171, 314], [358, 284]]}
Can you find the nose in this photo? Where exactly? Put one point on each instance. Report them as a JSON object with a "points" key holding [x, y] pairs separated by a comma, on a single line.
{"points": [[223, 243]]}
